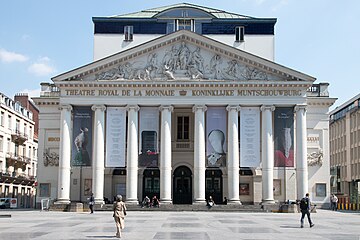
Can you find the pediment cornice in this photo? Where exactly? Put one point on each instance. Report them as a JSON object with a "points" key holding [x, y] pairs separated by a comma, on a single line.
{"points": [[160, 60]]}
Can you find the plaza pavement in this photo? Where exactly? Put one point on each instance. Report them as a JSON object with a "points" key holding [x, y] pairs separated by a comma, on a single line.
{"points": [[178, 225]]}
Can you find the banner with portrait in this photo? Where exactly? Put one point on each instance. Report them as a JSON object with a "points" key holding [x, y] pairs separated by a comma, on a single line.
{"points": [[249, 137], [115, 136], [82, 136], [216, 137], [149, 137], [284, 137]]}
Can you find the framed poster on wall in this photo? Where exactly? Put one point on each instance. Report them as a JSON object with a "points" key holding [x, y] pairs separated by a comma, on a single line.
{"points": [[244, 189], [277, 187], [320, 189], [87, 187]]}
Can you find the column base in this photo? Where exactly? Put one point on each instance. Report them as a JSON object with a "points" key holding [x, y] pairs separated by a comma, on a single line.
{"points": [[199, 202], [132, 202], [268, 202], [234, 202], [97, 202], [165, 201], [62, 201]]}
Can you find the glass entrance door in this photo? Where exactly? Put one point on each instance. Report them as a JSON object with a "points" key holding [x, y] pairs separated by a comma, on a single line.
{"points": [[182, 186], [151, 183], [213, 185]]}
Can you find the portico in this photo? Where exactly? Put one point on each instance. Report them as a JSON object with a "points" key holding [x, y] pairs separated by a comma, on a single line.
{"points": [[131, 124]]}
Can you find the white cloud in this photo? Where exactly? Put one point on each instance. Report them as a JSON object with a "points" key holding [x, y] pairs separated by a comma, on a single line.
{"points": [[259, 2], [42, 67], [279, 5], [32, 93], [8, 57]]}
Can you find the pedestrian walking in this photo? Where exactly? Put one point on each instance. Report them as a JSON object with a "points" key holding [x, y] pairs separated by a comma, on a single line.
{"points": [[119, 209], [334, 202], [305, 205], [91, 203]]}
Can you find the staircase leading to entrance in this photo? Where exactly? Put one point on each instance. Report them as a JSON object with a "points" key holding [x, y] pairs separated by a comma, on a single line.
{"points": [[181, 207]]}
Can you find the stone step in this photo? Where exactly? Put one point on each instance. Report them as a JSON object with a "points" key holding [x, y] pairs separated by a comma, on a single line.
{"points": [[176, 207], [79, 207]]}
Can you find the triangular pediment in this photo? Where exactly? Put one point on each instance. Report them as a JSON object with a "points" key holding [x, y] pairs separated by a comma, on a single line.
{"points": [[183, 56]]}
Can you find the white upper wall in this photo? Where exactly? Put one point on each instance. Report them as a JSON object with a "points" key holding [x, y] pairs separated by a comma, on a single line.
{"points": [[109, 44]]}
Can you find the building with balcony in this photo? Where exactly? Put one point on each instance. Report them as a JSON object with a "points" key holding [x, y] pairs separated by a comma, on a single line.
{"points": [[184, 102], [18, 151], [345, 150]]}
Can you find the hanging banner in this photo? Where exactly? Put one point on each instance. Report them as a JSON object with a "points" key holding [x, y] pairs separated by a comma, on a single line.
{"points": [[149, 137], [250, 137], [216, 137], [82, 135], [284, 137], [115, 136]]}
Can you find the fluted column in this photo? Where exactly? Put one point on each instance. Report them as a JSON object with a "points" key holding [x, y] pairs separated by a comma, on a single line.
{"points": [[267, 154], [233, 154], [64, 170], [199, 154], [98, 154], [301, 152], [132, 155], [165, 154]]}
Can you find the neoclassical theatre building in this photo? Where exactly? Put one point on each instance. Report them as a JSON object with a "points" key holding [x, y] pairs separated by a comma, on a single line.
{"points": [[184, 102]]}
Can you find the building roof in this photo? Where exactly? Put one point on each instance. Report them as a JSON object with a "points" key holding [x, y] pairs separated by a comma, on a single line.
{"points": [[345, 104], [151, 13]]}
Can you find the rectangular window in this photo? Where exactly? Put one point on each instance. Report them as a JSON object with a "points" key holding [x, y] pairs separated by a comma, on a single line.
{"points": [[2, 119], [186, 24], [239, 34], [128, 33], [9, 122], [183, 125], [30, 132], [34, 153], [16, 152], [17, 127], [8, 145], [1, 143], [44, 189], [29, 152]]}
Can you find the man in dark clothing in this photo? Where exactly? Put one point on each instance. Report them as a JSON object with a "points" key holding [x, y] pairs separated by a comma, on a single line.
{"points": [[305, 205], [91, 203]]}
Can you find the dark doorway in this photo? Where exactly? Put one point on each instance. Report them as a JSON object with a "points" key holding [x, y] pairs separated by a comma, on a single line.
{"points": [[151, 183], [213, 185], [182, 186]]}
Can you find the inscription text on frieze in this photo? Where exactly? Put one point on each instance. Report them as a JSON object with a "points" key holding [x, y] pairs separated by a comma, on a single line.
{"points": [[189, 93]]}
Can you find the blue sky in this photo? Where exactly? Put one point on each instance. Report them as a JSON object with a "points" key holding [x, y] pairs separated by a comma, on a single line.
{"points": [[40, 39]]}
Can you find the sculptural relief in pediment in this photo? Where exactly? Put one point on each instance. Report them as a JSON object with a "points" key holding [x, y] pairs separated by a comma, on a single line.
{"points": [[183, 61]]}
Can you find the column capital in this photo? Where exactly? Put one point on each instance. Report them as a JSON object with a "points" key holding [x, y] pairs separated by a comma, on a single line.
{"points": [[267, 107], [199, 107], [67, 107], [98, 107], [168, 107], [233, 107], [300, 107], [136, 108]]}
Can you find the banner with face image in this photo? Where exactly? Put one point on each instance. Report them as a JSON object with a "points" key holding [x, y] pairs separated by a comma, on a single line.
{"points": [[284, 137], [216, 136], [115, 136]]}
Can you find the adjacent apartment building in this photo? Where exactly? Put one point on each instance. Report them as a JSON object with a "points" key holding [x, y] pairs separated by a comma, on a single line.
{"points": [[18, 149], [345, 151], [184, 102]]}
